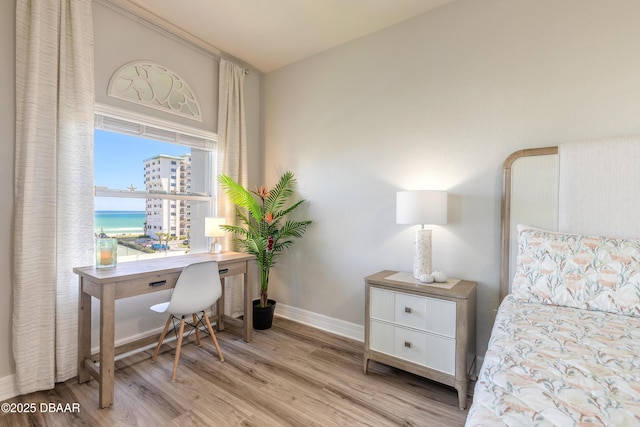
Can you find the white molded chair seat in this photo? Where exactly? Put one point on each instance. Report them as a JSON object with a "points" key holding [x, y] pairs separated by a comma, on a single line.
{"points": [[160, 308], [197, 288]]}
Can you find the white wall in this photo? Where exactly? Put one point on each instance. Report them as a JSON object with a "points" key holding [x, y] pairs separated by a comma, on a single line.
{"points": [[438, 102]]}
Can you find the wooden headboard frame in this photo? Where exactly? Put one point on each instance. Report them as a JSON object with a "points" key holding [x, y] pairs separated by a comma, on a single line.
{"points": [[505, 226]]}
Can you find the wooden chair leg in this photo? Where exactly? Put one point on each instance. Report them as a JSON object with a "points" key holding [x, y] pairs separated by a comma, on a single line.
{"points": [[195, 322], [178, 348], [162, 335], [213, 337]]}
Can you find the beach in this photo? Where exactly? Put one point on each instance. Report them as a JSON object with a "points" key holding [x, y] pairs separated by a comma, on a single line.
{"points": [[119, 223]]}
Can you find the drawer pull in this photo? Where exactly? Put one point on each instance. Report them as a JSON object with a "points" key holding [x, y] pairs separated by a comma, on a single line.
{"points": [[407, 344], [158, 283], [224, 270], [407, 309]]}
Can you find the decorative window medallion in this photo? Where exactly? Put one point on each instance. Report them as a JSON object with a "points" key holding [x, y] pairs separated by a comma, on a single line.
{"points": [[156, 86]]}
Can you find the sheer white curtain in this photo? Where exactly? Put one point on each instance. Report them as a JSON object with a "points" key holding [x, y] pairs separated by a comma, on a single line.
{"points": [[232, 153], [53, 185]]}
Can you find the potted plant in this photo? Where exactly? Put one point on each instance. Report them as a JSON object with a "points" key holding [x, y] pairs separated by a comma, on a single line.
{"points": [[266, 231]]}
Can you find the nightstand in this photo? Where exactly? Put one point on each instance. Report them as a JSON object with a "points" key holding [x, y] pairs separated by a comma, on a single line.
{"points": [[425, 329]]}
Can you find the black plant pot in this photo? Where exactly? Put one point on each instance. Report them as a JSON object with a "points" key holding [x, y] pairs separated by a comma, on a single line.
{"points": [[263, 316]]}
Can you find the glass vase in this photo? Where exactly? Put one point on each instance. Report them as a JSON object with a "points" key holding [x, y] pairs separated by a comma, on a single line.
{"points": [[106, 253]]}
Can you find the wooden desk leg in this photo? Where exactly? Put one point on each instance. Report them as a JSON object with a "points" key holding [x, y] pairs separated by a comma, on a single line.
{"points": [[107, 338], [84, 332], [220, 309], [248, 301]]}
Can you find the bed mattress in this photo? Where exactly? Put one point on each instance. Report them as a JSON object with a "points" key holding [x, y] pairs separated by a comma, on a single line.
{"points": [[558, 366]]}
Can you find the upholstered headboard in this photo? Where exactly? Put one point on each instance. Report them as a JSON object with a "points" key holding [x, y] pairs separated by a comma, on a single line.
{"points": [[589, 187]]}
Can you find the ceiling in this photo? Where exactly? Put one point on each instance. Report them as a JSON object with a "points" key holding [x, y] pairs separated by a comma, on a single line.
{"points": [[269, 34]]}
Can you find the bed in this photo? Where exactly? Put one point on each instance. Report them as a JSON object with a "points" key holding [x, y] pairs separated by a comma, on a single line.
{"points": [[565, 346]]}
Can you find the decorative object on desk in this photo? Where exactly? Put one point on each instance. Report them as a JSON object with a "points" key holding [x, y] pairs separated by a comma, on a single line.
{"points": [[106, 252], [212, 228], [268, 233], [439, 276], [426, 278], [421, 207]]}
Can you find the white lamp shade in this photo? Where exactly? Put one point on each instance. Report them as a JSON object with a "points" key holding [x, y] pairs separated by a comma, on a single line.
{"points": [[421, 207], [212, 227]]}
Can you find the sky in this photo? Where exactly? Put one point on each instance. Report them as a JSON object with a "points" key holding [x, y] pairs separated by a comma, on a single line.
{"points": [[119, 163]]}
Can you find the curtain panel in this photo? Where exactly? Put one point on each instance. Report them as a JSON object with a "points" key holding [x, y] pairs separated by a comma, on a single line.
{"points": [[53, 217], [232, 156]]}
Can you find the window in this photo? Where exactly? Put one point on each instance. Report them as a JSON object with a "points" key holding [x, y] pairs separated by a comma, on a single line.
{"points": [[154, 181]]}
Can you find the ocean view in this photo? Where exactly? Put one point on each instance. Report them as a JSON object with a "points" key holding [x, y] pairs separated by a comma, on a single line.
{"points": [[113, 223]]}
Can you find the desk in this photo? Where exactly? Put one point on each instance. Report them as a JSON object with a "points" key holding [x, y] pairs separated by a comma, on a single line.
{"points": [[137, 278]]}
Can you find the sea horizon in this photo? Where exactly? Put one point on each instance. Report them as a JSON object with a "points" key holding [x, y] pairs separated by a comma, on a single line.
{"points": [[117, 222]]}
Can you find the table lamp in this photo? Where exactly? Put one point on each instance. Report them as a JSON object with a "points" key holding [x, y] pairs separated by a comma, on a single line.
{"points": [[212, 229], [421, 207]]}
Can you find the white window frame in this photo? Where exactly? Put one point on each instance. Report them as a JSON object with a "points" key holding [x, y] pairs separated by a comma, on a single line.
{"points": [[114, 119]]}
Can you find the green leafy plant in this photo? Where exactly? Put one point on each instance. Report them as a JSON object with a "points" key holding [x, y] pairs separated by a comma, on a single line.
{"points": [[266, 232]]}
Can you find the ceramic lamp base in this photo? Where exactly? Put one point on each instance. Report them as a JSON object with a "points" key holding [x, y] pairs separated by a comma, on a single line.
{"points": [[422, 254], [216, 247]]}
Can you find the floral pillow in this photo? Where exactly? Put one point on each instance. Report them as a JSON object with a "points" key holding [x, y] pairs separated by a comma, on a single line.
{"points": [[586, 272]]}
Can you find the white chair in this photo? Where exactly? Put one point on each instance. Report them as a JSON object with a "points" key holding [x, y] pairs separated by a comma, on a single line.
{"points": [[197, 288]]}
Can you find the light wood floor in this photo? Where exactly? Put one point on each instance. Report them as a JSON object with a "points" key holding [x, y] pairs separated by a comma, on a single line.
{"points": [[290, 375]]}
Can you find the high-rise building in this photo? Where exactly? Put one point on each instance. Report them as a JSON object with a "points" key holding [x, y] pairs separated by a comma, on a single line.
{"points": [[168, 175]]}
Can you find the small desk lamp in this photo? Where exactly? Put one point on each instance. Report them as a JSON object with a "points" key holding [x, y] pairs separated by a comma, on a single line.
{"points": [[421, 207], [212, 229]]}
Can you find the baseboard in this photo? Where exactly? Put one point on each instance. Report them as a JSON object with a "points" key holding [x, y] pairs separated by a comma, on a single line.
{"points": [[320, 321], [8, 387]]}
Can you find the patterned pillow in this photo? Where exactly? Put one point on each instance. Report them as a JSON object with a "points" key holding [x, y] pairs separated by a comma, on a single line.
{"points": [[586, 272]]}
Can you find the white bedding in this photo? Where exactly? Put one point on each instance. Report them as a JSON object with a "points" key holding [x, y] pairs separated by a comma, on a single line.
{"points": [[558, 366]]}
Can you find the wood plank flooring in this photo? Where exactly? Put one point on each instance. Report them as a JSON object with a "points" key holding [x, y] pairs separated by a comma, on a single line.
{"points": [[290, 375]]}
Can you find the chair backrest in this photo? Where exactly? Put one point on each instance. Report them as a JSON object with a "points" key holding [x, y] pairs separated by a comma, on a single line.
{"points": [[198, 287]]}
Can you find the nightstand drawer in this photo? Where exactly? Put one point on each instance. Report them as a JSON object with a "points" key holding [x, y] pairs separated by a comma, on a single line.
{"points": [[423, 348], [423, 313]]}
